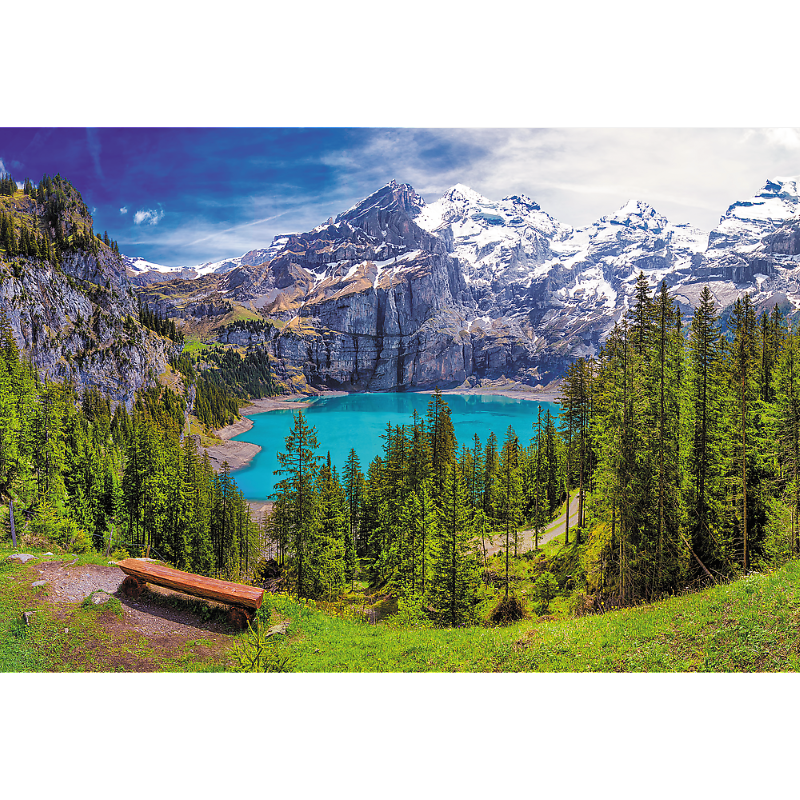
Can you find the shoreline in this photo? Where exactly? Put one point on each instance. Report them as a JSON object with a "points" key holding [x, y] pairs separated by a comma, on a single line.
{"points": [[240, 453]]}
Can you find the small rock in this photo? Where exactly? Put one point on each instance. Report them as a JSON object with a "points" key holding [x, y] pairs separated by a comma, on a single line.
{"points": [[281, 627], [21, 557], [48, 554], [100, 597], [39, 583]]}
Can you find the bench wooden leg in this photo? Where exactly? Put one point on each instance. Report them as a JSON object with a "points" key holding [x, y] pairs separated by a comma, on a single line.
{"points": [[238, 618], [132, 587]]}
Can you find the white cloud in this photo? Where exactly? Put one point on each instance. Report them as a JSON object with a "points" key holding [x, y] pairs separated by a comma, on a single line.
{"points": [[20, 184], [578, 174], [148, 216], [788, 138], [123, 210]]}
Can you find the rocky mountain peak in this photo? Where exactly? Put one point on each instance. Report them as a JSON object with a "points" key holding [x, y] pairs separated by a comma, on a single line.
{"points": [[637, 214], [395, 292], [392, 197], [740, 246], [777, 201]]}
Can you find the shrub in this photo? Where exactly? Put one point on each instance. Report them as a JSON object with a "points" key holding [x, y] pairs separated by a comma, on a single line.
{"points": [[509, 609], [52, 525], [258, 652], [545, 589]]}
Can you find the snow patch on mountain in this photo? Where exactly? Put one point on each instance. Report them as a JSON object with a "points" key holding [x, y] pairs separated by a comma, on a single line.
{"points": [[746, 223]]}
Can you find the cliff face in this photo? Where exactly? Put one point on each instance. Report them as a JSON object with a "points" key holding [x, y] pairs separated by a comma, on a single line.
{"points": [[76, 330], [373, 301], [394, 294]]}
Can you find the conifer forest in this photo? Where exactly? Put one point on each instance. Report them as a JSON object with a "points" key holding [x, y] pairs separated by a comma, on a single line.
{"points": [[682, 440]]}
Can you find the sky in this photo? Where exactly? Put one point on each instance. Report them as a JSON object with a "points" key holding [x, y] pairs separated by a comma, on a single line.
{"points": [[183, 196]]}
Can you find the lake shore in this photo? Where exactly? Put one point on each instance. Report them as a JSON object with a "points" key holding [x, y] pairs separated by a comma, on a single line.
{"points": [[239, 454]]}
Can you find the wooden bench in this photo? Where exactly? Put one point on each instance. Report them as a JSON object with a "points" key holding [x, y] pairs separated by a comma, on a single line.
{"points": [[244, 600]]}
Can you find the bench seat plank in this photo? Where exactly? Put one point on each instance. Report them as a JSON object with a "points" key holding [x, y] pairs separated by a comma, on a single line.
{"points": [[198, 585]]}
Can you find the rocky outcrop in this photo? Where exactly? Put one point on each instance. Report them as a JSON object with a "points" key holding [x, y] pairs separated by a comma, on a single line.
{"points": [[78, 323]]}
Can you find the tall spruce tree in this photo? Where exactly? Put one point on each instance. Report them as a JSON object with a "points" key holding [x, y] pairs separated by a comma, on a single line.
{"points": [[455, 578], [299, 465], [509, 495], [742, 366], [707, 453], [786, 389], [441, 437], [330, 535]]}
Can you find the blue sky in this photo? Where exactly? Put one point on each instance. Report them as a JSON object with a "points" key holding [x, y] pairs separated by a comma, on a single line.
{"points": [[181, 196]]}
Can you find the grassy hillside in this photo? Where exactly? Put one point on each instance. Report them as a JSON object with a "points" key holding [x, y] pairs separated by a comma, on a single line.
{"points": [[750, 625]]}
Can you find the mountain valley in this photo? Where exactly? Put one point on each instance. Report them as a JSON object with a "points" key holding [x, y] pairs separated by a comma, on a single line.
{"points": [[392, 294]]}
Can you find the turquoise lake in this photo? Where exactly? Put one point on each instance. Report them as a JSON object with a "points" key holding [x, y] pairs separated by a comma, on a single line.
{"points": [[359, 420]]}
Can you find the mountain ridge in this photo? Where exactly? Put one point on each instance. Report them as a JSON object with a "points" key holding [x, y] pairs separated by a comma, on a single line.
{"points": [[395, 293], [66, 297]]}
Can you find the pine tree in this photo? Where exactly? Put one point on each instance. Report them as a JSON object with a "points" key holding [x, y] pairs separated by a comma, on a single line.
{"points": [[299, 465], [508, 494], [455, 579], [536, 478], [668, 358], [10, 426], [441, 437], [491, 465], [576, 404], [641, 317], [706, 523], [330, 535], [48, 444], [786, 389], [354, 485], [742, 367]]}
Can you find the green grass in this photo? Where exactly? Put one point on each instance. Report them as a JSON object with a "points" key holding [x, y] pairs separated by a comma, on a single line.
{"points": [[320, 642], [241, 313], [750, 625], [193, 344]]}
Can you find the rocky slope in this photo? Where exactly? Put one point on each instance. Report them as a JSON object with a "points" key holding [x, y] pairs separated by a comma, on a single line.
{"points": [[395, 293], [75, 315]]}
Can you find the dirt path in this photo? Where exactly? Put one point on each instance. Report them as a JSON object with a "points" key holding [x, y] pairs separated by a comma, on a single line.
{"points": [[528, 537]]}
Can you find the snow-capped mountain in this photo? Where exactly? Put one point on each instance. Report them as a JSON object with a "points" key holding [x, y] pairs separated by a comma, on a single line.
{"points": [[494, 241], [140, 271], [747, 223], [396, 293]]}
